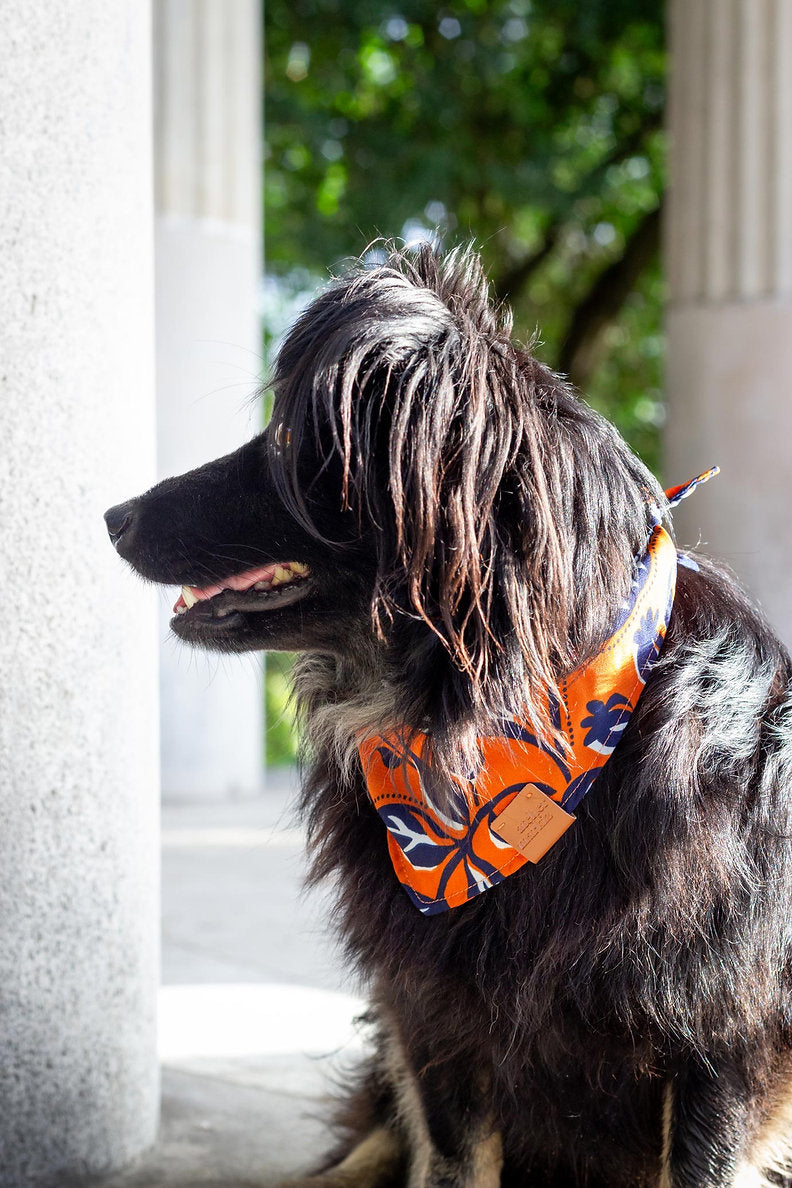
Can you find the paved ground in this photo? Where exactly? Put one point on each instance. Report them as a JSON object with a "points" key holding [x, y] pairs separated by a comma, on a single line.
{"points": [[255, 1015]]}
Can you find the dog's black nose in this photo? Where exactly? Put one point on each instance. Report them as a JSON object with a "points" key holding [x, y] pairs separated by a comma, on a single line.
{"points": [[118, 520]]}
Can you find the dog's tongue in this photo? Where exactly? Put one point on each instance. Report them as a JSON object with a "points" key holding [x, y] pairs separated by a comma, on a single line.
{"points": [[240, 581]]}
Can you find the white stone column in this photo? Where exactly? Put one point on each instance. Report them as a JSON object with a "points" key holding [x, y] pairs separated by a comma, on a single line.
{"points": [[729, 254], [207, 171], [78, 694]]}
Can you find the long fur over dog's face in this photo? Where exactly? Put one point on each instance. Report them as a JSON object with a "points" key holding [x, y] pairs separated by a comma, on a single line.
{"points": [[502, 515], [619, 1014]]}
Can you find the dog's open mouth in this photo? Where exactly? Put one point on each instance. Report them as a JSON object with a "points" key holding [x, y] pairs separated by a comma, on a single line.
{"points": [[265, 588]]}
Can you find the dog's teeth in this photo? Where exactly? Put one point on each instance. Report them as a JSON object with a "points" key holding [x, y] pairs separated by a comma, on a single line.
{"points": [[188, 596], [262, 586], [298, 567], [180, 610], [280, 575]]}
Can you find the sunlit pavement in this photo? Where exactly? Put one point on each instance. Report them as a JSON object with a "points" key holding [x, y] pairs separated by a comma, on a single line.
{"points": [[255, 1011]]}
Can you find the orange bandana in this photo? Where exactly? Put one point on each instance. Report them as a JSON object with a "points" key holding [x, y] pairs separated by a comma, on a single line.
{"points": [[523, 797]]}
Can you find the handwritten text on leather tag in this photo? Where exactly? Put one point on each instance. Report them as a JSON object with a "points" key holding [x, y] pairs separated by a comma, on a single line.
{"points": [[532, 823]]}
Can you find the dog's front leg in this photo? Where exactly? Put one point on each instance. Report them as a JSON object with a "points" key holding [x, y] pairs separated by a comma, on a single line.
{"points": [[708, 1120], [445, 1117]]}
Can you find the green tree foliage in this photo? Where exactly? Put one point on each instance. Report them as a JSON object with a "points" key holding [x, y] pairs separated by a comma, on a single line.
{"points": [[280, 737], [533, 127]]}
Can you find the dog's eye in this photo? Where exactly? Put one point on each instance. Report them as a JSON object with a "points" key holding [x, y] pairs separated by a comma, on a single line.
{"points": [[282, 436]]}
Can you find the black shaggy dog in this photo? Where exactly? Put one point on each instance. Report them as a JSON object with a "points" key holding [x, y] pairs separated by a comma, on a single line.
{"points": [[464, 531]]}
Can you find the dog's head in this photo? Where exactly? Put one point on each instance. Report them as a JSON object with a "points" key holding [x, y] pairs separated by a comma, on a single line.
{"points": [[426, 493]]}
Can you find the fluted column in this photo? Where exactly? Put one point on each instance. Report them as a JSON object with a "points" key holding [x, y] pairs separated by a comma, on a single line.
{"points": [[207, 173], [729, 256], [79, 919]]}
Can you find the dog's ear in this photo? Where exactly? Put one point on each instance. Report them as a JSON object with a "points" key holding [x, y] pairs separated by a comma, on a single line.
{"points": [[473, 547]]}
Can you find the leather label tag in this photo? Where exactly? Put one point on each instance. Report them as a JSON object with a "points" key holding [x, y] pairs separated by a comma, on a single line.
{"points": [[532, 823]]}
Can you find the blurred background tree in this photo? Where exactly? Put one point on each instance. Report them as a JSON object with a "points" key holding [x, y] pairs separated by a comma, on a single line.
{"points": [[534, 127]]}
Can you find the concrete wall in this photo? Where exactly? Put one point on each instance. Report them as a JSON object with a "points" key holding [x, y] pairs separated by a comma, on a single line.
{"points": [[207, 173], [729, 254], [78, 697]]}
